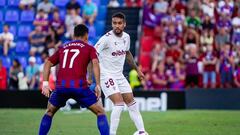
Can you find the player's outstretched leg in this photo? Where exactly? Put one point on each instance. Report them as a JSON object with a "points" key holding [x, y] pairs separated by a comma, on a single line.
{"points": [[134, 112], [116, 112], [47, 119], [102, 121]]}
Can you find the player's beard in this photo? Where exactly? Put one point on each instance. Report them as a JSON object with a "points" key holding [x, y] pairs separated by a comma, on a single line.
{"points": [[118, 32]]}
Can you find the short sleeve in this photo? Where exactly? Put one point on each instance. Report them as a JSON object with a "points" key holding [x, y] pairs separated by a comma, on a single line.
{"points": [[54, 59], [11, 36], [128, 43], [93, 54], [101, 44]]}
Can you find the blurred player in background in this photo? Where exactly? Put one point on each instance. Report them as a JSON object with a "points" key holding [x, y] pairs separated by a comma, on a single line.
{"points": [[73, 58], [113, 48]]}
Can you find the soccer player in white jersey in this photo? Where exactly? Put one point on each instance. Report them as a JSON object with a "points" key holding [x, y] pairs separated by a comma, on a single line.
{"points": [[113, 49]]}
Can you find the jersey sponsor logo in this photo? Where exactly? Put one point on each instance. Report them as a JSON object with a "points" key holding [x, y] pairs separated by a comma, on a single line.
{"points": [[118, 53]]}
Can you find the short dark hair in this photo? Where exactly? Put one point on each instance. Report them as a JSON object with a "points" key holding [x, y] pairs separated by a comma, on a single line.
{"points": [[41, 10], [80, 30], [119, 15], [6, 25]]}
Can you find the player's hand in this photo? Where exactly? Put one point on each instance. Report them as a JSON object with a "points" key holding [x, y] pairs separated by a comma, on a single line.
{"points": [[46, 90], [98, 91], [141, 75]]}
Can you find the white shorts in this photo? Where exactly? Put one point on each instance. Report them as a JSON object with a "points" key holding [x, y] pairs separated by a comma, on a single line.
{"points": [[111, 85]]}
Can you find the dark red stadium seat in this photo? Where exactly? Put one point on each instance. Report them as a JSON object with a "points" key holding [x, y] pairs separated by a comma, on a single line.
{"points": [[145, 62], [148, 31], [147, 44]]}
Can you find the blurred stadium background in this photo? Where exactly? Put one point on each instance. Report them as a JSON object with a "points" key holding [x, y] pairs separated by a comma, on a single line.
{"points": [[189, 51]]}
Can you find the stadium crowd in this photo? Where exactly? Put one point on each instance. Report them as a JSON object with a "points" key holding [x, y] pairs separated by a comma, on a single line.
{"points": [[53, 24], [190, 43]]}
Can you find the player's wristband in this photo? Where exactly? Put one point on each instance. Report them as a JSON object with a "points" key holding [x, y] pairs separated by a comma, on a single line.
{"points": [[45, 83]]}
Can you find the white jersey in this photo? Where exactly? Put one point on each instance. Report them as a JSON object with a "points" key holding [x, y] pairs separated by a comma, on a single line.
{"points": [[112, 52]]}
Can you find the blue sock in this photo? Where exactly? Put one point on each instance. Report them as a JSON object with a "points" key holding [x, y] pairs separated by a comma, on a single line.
{"points": [[45, 125], [102, 123]]}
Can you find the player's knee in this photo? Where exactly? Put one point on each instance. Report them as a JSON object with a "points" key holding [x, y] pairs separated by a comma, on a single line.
{"points": [[100, 111], [50, 112], [129, 101]]}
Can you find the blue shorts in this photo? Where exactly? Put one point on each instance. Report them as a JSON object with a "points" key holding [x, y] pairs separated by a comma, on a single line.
{"points": [[84, 97]]}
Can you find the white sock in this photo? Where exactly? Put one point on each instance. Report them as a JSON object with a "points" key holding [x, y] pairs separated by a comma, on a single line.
{"points": [[115, 118], [136, 116]]}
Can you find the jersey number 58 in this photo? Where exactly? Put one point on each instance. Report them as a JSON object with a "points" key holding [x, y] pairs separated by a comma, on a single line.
{"points": [[109, 83]]}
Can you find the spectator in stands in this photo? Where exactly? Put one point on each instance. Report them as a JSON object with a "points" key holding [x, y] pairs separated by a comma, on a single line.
{"points": [[194, 5], [37, 40], [46, 6], [226, 7], [209, 62], [6, 39], [221, 38], [159, 77], [206, 38], [26, 4], [226, 66], [3, 77], [191, 62], [236, 30], [149, 18], [191, 38], [175, 18], [174, 53], [73, 4], [237, 4], [179, 6], [22, 81], [32, 72], [57, 23], [15, 69], [41, 20], [236, 39], [89, 12], [72, 20], [157, 54], [208, 8], [193, 21], [236, 22], [172, 38], [224, 22], [160, 9], [169, 65], [52, 41], [236, 56], [176, 79], [208, 23], [113, 4], [237, 76], [133, 3], [147, 82]]}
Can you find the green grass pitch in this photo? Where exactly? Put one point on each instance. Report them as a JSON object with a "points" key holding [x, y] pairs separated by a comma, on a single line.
{"points": [[183, 122]]}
